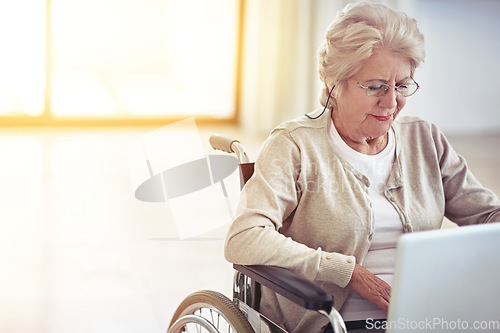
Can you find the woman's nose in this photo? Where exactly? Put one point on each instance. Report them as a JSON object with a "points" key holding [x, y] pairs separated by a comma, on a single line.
{"points": [[389, 100]]}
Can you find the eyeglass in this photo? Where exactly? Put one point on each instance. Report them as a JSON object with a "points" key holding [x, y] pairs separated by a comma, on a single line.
{"points": [[380, 89]]}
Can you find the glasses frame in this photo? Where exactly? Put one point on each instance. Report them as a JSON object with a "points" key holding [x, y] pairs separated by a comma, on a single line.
{"points": [[387, 87]]}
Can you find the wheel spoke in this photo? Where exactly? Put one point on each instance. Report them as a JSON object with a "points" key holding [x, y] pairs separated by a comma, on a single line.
{"points": [[212, 316]]}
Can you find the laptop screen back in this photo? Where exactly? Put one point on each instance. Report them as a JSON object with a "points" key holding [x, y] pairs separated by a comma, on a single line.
{"points": [[447, 280]]}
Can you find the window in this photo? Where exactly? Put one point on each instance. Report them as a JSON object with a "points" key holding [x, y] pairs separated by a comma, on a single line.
{"points": [[116, 60], [22, 59]]}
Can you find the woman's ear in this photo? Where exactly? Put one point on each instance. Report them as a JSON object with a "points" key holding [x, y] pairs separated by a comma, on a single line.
{"points": [[333, 91]]}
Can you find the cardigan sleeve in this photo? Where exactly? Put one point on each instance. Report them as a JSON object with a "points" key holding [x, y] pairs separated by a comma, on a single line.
{"points": [[466, 200], [268, 198]]}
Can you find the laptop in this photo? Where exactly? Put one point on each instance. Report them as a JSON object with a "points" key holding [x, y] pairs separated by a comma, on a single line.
{"points": [[447, 280]]}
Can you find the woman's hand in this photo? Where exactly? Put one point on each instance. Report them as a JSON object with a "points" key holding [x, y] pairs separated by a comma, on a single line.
{"points": [[367, 285]]}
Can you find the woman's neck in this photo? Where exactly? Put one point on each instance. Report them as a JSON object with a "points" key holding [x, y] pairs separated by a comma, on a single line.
{"points": [[364, 145], [367, 146]]}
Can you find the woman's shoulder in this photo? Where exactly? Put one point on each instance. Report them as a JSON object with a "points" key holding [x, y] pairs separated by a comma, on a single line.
{"points": [[411, 123], [306, 123], [413, 131], [299, 134], [411, 120]]}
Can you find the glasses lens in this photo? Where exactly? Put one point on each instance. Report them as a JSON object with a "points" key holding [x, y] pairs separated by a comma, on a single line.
{"points": [[377, 90], [406, 90]]}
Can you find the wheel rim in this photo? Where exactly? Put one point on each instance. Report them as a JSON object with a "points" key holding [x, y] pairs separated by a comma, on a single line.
{"points": [[208, 311], [184, 321], [215, 318]]}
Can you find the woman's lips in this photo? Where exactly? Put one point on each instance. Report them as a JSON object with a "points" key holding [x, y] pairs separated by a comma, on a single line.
{"points": [[383, 118]]}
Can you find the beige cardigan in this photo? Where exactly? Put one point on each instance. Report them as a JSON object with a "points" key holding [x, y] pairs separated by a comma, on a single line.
{"points": [[308, 210]]}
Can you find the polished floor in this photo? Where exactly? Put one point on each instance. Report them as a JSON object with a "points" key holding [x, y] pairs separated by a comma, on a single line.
{"points": [[78, 253]]}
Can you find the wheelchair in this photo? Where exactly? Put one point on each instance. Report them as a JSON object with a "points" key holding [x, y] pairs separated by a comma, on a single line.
{"points": [[212, 312]]}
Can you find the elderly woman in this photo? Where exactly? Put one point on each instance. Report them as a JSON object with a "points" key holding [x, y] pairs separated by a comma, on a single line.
{"points": [[333, 190]]}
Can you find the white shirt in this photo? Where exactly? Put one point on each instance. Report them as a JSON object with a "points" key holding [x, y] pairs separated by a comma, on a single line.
{"points": [[388, 227]]}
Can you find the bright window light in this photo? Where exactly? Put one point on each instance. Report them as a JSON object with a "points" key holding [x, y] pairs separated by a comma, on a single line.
{"points": [[119, 58], [22, 60]]}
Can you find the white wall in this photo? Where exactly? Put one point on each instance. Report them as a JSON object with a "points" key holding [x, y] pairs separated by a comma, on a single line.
{"points": [[460, 78]]}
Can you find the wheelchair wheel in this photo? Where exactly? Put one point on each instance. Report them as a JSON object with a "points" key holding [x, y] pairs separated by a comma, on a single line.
{"points": [[209, 311]]}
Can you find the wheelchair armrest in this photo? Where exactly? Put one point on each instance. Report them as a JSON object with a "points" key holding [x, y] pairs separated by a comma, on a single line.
{"points": [[290, 285]]}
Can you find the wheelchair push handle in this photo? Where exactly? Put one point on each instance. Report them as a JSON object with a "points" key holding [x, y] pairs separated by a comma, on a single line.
{"points": [[220, 142], [228, 145]]}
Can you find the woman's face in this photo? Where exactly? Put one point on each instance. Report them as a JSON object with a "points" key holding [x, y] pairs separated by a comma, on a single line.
{"points": [[360, 118]]}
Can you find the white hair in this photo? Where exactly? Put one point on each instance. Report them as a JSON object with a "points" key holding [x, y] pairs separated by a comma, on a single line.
{"points": [[358, 31]]}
